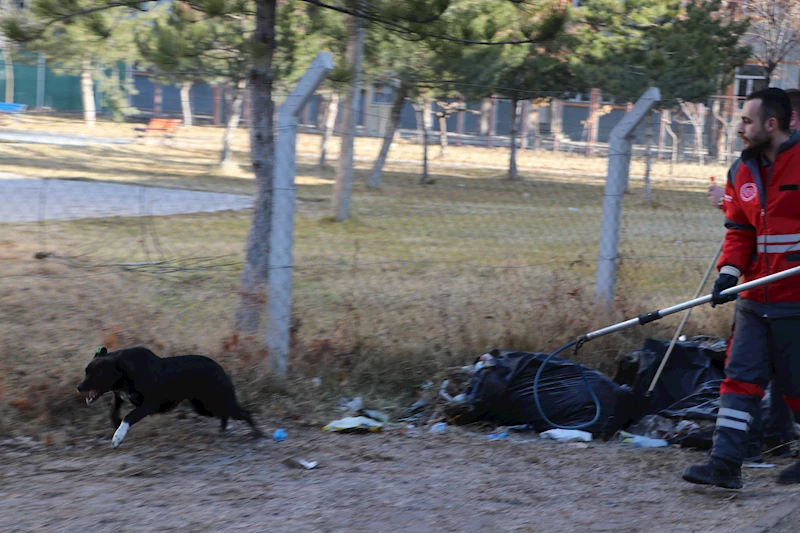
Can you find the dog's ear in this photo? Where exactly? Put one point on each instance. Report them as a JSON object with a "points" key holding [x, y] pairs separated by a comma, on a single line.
{"points": [[101, 351]]}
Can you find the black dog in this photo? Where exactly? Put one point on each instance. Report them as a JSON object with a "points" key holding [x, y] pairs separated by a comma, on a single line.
{"points": [[156, 385]]}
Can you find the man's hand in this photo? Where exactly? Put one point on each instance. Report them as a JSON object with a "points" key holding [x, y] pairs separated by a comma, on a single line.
{"points": [[724, 281], [715, 194]]}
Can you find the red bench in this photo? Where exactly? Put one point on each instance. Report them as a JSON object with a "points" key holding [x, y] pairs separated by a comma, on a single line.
{"points": [[163, 126]]}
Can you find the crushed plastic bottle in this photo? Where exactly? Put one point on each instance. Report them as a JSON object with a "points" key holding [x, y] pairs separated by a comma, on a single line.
{"points": [[566, 435], [640, 441], [355, 424], [439, 427], [647, 442]]}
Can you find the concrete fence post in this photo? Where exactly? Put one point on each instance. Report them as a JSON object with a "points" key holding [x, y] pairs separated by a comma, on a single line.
{"points": [[619, 160], [279, 276]]}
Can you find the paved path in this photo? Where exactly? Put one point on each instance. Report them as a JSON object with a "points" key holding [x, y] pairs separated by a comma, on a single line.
{"points": [[30, 199], [62, 139]]}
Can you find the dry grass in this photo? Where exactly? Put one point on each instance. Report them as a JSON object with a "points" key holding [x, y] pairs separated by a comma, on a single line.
{"points": [[421, 278]]}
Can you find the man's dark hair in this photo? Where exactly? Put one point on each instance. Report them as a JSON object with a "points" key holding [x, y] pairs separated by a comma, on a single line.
{"points": [[794, 96], [775, 103]]}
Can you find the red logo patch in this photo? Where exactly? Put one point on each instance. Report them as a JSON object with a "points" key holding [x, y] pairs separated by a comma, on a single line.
{"points": [[748, 192]]}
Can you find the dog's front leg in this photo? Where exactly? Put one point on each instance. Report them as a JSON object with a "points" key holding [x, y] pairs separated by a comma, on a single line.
{"points": [[116, 402], [134, 416]]}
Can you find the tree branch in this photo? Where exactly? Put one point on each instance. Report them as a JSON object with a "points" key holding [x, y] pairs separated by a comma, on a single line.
{"points": [[407, 30]]}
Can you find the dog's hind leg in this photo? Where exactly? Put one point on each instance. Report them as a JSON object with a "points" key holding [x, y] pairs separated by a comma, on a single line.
{"points": [[201, 409], [242, 414], [223, 424]]}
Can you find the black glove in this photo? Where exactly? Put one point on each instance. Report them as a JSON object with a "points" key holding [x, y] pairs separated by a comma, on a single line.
{"points": [[724, 281]]}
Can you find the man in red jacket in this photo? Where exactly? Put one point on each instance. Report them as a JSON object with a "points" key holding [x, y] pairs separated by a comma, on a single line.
{"points": [[762, 210], [776, 430]]}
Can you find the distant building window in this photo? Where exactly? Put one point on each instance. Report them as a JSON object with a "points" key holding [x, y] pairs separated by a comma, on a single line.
{"points": [[749, 78], [382, 95]]}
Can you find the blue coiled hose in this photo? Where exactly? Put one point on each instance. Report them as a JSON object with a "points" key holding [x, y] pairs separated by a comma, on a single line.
{"points": [[585, 380]]}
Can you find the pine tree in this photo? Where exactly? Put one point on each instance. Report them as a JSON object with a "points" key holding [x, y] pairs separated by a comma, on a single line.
{"points": [[93, 45]]}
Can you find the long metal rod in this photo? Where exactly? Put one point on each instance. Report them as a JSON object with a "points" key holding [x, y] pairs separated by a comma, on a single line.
{"points": [[685, 319], [661, 313]]}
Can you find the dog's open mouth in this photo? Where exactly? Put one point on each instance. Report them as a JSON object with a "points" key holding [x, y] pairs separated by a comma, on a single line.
{"points": [[93, 395]]}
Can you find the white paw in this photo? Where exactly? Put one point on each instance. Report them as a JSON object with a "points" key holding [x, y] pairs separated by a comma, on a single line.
{"points": [[119, 434]]}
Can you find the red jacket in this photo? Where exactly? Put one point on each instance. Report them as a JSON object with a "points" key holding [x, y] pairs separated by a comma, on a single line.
{"points": [[762, 211]]}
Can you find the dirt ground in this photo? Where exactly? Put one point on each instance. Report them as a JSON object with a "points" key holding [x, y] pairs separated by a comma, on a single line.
{"points": [[175, 473]]}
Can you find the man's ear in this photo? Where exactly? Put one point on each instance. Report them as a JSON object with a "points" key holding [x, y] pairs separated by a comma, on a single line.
{"points": [[771, 124], [100, 352]]}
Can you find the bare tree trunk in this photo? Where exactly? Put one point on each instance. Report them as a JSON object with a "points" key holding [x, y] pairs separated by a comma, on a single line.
{"points": [[697, 116], [591, 121], [186, 103], [394, 119], [9, 68], [732, 125], [512, 163], [485, 119], [555, 121], [157, 99], [87, 92], [666, 118], [234, 114], [342, 189], [535, 126], [250, 310], [719, 112], [648, 134], [442, 134], [492, 122], [425, 179], [525, 114], [420, 116], [460, 122], [331, 110], [699, 146]]}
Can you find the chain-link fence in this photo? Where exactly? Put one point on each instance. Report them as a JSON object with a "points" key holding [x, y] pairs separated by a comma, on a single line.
{"points": [[117, 235]]}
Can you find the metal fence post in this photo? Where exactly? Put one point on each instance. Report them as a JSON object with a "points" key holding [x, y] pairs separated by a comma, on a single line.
{"points": [[619, 160], [279, 276]]}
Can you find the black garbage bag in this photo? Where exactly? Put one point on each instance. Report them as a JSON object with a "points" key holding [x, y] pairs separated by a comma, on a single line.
{"points": [[703, 404], [691, 364], [502, 394]]}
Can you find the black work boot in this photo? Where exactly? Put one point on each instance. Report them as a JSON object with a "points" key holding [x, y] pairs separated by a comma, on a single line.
{"points": [[731, 443], [777, 447], [715, 472], [753, 454], [790, 475]]}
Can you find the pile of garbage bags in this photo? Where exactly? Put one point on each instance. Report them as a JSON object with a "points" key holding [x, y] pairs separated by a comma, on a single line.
{"points": [[681, 409], [502, 393]]}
